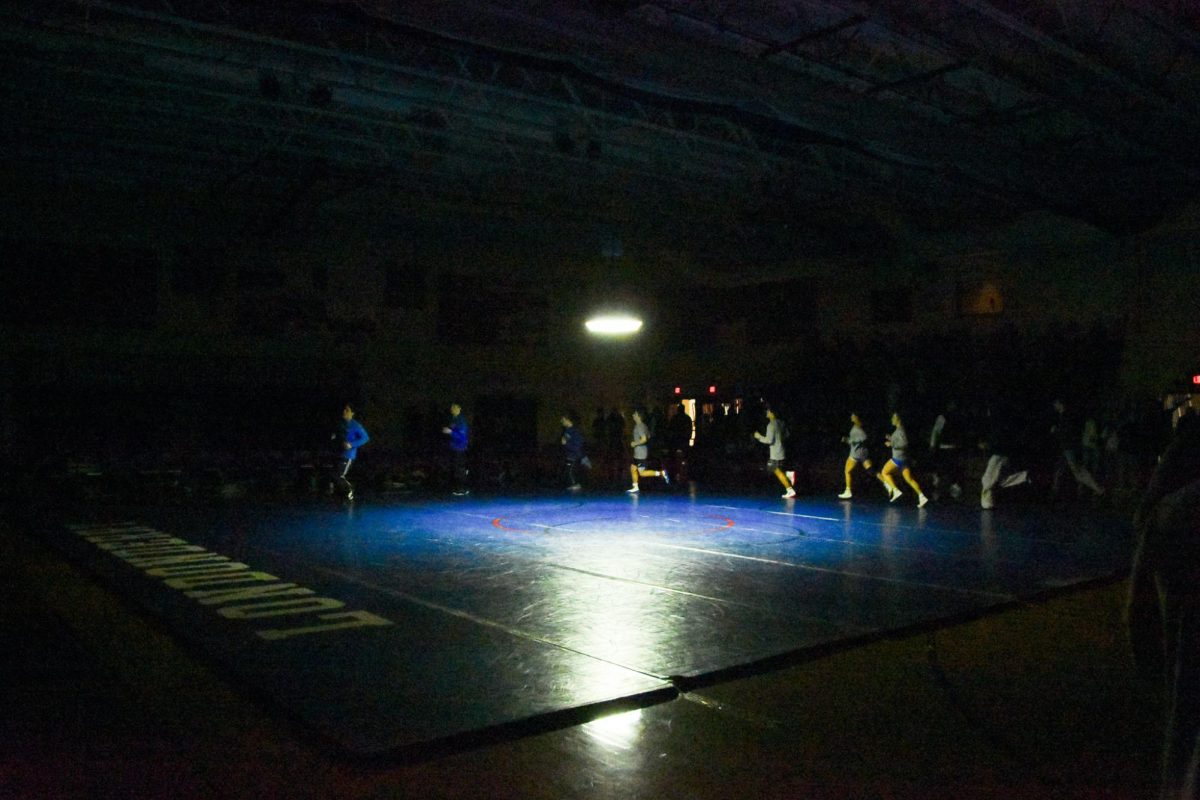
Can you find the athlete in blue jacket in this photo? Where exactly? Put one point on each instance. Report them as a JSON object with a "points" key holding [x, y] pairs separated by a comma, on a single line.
{"points": [[354, 436]]}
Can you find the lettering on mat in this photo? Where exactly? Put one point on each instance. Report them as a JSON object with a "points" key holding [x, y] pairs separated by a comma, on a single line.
{"points": [[230, 588]]}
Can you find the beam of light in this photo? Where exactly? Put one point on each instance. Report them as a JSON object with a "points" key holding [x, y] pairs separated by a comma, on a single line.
{"points": [[613, 325]]}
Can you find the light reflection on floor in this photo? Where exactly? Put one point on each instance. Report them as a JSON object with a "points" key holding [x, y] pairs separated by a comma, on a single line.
{"points": [[618, 732]]}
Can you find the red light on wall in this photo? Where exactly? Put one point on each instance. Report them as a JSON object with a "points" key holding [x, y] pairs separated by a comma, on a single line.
{"points": [[1196, 379], [712, 390], [678, 390]]}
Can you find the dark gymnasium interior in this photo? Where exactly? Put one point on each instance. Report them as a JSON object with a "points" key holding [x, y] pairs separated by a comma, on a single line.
{"points": [[227, 225]]}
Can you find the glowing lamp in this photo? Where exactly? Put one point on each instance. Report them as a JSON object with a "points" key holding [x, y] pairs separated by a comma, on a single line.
{"points": [[678, 390], [712, 390], [1196, 379], [613, 325]]}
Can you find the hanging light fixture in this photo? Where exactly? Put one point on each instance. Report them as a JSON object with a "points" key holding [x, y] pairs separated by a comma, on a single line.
{"points": [[613, 324]]}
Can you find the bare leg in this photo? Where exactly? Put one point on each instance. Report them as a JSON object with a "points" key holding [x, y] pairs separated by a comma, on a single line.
{"points": [[782, 478], [885, 475], [911, 481]]}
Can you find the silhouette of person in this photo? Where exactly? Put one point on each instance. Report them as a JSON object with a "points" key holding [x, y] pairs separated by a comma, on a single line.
{"points": [[572, 444], [614, 445], [678, 436], [1067, 431], [1000, 442], [460, 439], [1163, 609], [944, 451]]}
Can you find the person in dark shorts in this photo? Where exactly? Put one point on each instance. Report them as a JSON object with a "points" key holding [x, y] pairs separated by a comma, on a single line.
{"points": [[773, 438], [641, 451]]}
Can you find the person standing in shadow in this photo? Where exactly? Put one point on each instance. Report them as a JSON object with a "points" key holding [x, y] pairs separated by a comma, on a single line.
{"points": [[572, 444], [459, 435], [614, 446]]}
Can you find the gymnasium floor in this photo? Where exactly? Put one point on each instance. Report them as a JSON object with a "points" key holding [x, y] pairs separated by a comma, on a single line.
{"points": [[662, 645]]}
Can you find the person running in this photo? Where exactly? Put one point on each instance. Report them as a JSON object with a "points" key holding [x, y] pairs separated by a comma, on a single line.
{"points": [[459, 435], [773, 438], [945, 454], [354, 436], [1065, 430], [859, 455], [898, 441], [1001, 445], [641, 451]]}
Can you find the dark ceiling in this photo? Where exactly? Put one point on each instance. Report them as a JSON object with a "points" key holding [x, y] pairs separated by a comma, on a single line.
{"points": [[734, 118]]}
